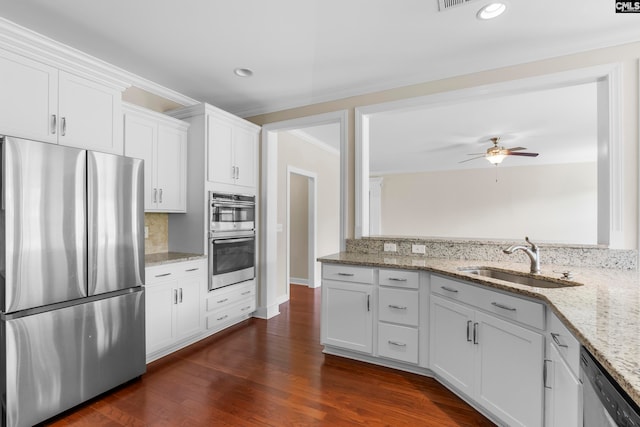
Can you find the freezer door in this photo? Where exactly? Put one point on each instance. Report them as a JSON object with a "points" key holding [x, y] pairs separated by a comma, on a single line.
{"points": [[43, 237], [116, 222], [58, 359]]}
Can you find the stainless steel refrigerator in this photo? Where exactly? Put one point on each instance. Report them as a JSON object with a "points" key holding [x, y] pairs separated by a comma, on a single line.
{"points": [[71, 277]]}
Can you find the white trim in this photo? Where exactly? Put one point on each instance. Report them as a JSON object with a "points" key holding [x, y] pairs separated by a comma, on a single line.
{"points": [[313, 267], [314, 141], [25, 42], [610, 141], [269, 196], [298, 281]]}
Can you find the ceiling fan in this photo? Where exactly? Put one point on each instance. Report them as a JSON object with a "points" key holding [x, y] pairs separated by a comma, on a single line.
{"points": [[496, 154]]}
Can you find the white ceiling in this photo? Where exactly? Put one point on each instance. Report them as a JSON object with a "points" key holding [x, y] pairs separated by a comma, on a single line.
{"points": [[303, 52]]}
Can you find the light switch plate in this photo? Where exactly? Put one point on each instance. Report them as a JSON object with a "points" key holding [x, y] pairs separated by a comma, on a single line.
{"points": [[418, 249], [146, 232], [390, 247]]}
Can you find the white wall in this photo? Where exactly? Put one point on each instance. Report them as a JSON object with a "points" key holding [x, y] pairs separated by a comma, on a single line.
{"points": [[295, 152], [559, 206]]}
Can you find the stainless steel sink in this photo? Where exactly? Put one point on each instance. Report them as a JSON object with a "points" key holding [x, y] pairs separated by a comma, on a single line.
{"points": [[519, 278]]}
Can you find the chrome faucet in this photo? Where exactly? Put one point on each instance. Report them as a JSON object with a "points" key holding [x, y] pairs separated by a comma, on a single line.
{"points": [[533, 254]]}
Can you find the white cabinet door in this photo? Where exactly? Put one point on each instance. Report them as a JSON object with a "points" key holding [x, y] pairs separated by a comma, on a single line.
{"points": [[452, 351], [245, 157], [29, 93], [189, 320], [565, 409], [159, 306], [220, 166], [140, 142], [170, 169], [509, 371], [90, 115], [346, 315]]}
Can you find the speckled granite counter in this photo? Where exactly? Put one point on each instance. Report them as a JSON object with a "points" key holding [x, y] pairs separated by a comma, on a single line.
{"points": [[604, 313], [169, 257]]}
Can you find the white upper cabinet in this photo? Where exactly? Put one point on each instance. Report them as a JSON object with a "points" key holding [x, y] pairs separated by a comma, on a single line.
{"points": [[89, 114], [232, 151], [51, 105], [161, 141]]}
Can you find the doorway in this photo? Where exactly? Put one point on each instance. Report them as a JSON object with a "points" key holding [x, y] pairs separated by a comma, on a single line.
{"points": [[302, 226]]}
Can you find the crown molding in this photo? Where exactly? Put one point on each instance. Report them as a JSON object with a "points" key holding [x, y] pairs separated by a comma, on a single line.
{"points": [[28, 43]]}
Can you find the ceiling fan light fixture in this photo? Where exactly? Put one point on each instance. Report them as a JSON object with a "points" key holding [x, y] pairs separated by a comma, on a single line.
{"points": [[243, 72], [491, 10], [496, 159]]}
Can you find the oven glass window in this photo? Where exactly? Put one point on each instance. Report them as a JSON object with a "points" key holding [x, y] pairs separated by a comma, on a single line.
{"points": [[232, 214], [233, 255]]}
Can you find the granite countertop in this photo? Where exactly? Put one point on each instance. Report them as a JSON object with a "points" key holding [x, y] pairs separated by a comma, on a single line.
{"points": [[604, 313], [168, 257]]}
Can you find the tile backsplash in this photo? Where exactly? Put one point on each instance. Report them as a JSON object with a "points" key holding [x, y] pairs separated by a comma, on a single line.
{"points": [[158, 240]]}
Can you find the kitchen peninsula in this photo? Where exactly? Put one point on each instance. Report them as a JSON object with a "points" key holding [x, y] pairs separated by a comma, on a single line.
{"points": [[603, 313]]}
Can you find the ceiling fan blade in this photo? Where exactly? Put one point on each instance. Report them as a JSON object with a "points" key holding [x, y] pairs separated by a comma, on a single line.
{"points": [[476, 154], [515, 149], [473, 158], [523, 154]]}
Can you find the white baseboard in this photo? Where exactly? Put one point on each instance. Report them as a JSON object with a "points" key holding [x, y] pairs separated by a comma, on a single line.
{"points": [[282, 299], [267, 312], [298, 281]]}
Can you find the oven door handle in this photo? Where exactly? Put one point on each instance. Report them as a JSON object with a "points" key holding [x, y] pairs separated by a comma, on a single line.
{"points": [[217, 204], [248, 239]]}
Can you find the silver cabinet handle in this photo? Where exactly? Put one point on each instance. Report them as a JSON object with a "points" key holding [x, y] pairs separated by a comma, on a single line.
{"points": [[455, 291], [397, 279], [54, 123], [237, 172], [368, 302], [245, 308], [160, 196], [475, 333], [223, 317], [155, 195], [397, 307], [502, 306], [223, 300], [346, 274], [193, 269], [163, 275], [175, 296], [545, 373], [246, 293], [557, 341], [233, 172], [180, 295], [63, 132], [397, 344], [469, 322]]}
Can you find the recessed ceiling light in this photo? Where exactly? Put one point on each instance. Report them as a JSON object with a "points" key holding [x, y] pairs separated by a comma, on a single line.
{"points": [[243, 72], [492, 10]]}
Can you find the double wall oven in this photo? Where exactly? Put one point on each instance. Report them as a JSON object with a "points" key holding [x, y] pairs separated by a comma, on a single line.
{"points": [[232, 239]]}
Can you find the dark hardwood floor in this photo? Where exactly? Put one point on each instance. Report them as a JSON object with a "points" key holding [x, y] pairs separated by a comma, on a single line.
{"points": [[273, 373]]}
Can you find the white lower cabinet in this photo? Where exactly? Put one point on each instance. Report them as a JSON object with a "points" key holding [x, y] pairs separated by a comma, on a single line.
{"points": [[173, 306], [347, 316], [563, 388], [493, 361]]}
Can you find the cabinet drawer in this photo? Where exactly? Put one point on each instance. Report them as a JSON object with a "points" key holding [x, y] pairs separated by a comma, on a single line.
{"points": [[511, 307], [227, 315], [400, 278], [230, 295], [398, 342], [564, 341], [398, 306], [345, 273], [164, 272]]}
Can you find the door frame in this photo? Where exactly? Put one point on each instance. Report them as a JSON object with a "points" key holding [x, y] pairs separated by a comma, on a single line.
{"points": [[268, 271]]}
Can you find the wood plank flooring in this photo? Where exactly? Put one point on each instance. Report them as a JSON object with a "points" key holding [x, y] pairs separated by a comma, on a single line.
{"points": [[273, 373]]}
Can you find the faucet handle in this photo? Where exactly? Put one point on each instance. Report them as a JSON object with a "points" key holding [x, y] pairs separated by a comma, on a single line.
{"points": [[533, 245]]}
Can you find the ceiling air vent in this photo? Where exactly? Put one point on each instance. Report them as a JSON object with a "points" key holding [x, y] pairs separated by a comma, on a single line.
{"points": [[447, 4]]}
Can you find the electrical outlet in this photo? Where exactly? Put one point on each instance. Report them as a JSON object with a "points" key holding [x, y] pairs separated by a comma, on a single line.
{"points": [[418, 249], [146, 232], [390, 247]]}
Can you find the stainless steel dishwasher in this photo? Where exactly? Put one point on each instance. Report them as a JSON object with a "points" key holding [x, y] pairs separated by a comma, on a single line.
{"points": [[605, 404]]}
